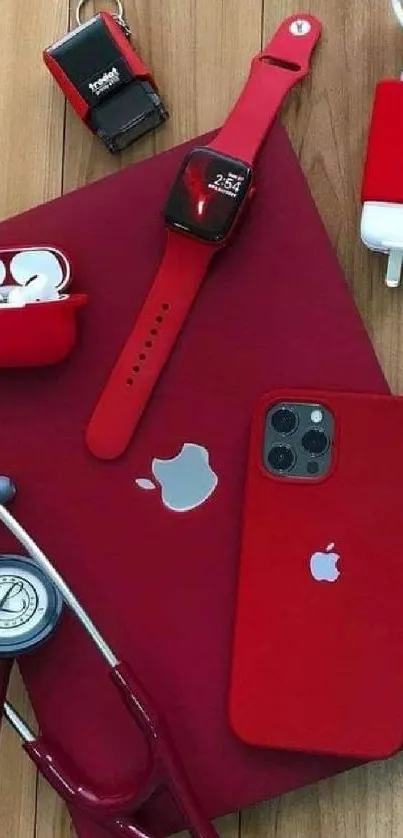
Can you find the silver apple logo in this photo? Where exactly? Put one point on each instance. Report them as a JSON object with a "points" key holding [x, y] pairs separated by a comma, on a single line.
{"points": [[186, 480], [324, 565]]}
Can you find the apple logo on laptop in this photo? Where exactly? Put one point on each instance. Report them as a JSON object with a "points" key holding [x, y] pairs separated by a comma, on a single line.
{"points": [[324, 565], [186, 480]]}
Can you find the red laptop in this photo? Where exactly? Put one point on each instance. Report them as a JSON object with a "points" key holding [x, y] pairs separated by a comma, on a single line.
{"points": [[154, 561]]}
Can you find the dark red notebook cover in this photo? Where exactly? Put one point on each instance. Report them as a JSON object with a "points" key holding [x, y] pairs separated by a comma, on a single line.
{"points": [[274, 311]]}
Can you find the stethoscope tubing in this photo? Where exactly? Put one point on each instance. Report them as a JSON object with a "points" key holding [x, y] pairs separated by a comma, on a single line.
{"points": [[164, 766]]}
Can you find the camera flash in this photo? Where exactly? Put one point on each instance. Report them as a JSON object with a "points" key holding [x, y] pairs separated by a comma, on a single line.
{"points": [[316, 416]]}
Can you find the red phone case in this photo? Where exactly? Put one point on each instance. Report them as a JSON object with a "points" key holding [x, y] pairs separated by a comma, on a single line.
{"points": [[318, 667]]}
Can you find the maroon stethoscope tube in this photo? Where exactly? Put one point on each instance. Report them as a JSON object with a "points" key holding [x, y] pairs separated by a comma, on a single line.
{"points": [[164, 769]]}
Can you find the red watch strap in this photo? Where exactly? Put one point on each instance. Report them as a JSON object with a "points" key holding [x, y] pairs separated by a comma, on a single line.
{"points": [[143, 357], [284, 62], [274, 72]]}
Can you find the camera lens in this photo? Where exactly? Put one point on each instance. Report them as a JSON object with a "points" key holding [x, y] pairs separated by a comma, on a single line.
{"points": [[284, 421], [315, 442], [281, 458]]}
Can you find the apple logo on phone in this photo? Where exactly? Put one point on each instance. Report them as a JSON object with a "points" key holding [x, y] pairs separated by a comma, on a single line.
{"points": [[324, 565], [186, 480]]}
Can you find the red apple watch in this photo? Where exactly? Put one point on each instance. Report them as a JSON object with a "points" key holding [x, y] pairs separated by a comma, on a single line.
{"points": [[212, 187]]}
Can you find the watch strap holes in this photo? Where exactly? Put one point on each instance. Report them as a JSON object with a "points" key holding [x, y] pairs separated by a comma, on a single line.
{"points": [[148, 344], [291, 66], [159, 318]]}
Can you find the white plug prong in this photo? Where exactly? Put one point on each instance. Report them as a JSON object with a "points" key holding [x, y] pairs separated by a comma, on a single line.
{"points": [[394, 269]]}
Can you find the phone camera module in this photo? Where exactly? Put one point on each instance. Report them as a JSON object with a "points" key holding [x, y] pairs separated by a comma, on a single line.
{"points": [[315, 442], [281, 458], [284, 421]]}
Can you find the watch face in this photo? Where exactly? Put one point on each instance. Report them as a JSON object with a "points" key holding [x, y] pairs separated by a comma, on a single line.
{"points": [[208, 194]]}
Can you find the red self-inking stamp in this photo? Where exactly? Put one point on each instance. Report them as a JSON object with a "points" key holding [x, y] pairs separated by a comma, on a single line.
{"points": [[105, 81], [382, 190]]}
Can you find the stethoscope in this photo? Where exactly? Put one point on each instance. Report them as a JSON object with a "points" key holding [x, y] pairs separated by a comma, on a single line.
{"points": [[32, 594]]}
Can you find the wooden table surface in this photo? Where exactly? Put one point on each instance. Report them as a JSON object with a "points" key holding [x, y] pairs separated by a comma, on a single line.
{"points": [[200, 52]]}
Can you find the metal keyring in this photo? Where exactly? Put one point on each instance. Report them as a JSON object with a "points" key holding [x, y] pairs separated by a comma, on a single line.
{"points": [[398, 10], [118, 14]]}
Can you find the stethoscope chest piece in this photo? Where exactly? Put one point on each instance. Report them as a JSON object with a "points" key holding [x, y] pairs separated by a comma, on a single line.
{"points": [[30, 605]]}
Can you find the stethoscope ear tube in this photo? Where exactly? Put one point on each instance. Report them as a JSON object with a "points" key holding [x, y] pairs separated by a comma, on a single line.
{"points": [[17, 723], [165, 767]]}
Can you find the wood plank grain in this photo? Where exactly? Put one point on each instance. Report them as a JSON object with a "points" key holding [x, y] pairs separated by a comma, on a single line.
{"points": [[201, 54], [364, 802], [31, 151], [17, 774], [52, 817], [32, 112]]}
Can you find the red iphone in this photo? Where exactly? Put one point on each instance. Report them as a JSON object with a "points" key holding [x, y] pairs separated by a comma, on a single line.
{"points": [[318, 654]]}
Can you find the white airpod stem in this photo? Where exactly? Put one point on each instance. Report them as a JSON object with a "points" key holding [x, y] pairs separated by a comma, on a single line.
{"points": [[15, 299], [40, 290]]}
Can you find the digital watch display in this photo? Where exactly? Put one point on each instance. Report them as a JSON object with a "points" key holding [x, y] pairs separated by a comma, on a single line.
{"points": [[208, 194], [203, 208]]}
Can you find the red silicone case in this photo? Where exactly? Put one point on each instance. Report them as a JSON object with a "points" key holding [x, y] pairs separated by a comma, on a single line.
{"points": [[318, 666], [39, 333], [383, 173]]}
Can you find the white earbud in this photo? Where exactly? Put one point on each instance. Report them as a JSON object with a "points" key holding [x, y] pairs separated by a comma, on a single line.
{"points": [[39, 275], [39, 290], [31, 263]]}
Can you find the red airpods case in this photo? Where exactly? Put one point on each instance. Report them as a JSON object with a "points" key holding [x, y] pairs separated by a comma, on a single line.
{"points": [[37, 333], [40, 333]]}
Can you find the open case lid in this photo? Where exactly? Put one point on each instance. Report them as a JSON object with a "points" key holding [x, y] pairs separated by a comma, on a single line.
{"points": [[19, 265], [274, 311]]}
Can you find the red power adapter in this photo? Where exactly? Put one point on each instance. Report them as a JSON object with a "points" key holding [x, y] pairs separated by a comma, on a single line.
{"points": [[382, 189]]}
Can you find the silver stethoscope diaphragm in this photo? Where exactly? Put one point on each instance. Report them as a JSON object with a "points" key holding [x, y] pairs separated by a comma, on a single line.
{"points": [[30, 606], [45, 571]]}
